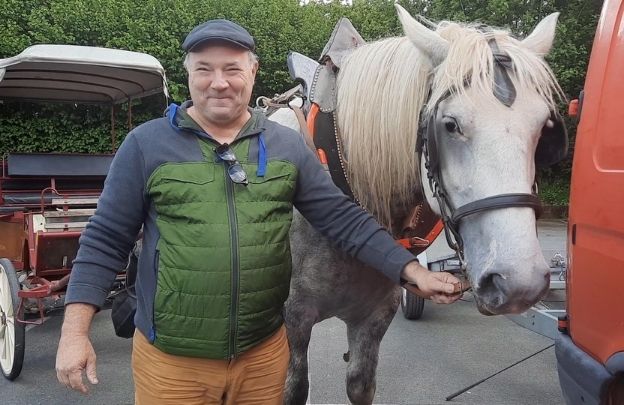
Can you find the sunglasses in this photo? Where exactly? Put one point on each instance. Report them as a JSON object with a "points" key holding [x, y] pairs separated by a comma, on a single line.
{"points": [[235, 169]]}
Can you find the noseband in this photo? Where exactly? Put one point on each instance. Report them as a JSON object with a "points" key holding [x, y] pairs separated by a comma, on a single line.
{"points": [[505, 91]]}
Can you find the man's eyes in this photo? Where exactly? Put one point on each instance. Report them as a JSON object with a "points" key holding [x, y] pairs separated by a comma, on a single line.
{"points": [[230, 69]]}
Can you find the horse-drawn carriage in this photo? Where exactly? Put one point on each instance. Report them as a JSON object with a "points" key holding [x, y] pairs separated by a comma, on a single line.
{"points": [[46, 199]]}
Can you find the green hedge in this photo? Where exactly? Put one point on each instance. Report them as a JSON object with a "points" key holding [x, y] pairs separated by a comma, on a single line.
{"points": [[159, 26]]}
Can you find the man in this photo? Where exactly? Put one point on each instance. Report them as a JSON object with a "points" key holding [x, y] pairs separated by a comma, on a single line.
{"points": [[213, 185]]}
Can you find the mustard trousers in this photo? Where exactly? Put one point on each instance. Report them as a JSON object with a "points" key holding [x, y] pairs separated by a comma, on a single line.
{"points": [[255, 377]]}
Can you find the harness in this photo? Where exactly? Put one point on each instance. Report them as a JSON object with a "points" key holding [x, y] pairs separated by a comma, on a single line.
{"points": [[422, 226]]}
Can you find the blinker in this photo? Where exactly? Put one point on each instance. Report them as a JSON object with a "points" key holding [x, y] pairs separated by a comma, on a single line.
{"points": [[504, 89]]}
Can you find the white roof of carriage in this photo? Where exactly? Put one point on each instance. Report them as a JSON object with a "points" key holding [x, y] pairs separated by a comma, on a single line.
{"points": [[80, 74]]}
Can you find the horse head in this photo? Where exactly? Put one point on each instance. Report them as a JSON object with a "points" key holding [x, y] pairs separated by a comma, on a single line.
{"points": [[490, 111]]}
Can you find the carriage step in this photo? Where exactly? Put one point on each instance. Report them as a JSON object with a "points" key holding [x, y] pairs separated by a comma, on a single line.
{"points": [[75, 201], [70, 213]]}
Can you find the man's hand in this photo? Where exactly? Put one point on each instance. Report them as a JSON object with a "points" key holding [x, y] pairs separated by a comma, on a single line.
{"points": [[440, 287], [75, 353]]}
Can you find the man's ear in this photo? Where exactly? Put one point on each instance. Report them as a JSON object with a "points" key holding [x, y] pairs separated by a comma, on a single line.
{"points": [[187, 63]]}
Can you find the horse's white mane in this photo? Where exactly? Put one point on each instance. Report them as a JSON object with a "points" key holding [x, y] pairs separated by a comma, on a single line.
{"points": [[383, 87]]}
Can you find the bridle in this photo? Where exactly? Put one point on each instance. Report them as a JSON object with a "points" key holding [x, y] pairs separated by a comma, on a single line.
{"points": [[504, 90]]}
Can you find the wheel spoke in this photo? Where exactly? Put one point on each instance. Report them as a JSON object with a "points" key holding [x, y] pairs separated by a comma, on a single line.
{"points": [[5, 293], [10, 347], [6, 359], [4, 348], [3, 351]]}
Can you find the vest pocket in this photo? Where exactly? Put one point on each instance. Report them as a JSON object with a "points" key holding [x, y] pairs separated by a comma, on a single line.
{"points": [[260, 180], [273, 172], [180, 183], [278, 184], [194, 175]]}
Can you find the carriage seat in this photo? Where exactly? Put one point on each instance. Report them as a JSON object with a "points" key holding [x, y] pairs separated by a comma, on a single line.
{"points": [[77, 176], [10, 210], [30, 199], [58, 165]]}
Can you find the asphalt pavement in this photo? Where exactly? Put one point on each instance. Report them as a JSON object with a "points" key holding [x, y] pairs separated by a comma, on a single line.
{"points": [[421, 362]]}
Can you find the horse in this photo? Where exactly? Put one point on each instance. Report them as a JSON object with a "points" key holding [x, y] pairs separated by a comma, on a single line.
{"points": [[486, 100]]}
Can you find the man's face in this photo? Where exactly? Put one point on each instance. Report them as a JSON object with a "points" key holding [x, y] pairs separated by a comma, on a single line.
{"points": [[221, 80]]}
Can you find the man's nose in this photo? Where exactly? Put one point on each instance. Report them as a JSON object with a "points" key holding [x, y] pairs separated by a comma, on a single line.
{"points": [[219, 82]]}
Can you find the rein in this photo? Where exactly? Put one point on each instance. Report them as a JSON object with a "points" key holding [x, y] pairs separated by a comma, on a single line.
{"points": [[283, 101]]}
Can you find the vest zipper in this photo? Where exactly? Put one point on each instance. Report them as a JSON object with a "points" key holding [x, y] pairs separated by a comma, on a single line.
{"points": [[229, 191]]}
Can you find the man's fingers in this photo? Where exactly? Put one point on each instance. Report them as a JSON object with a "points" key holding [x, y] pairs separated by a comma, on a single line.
{"points": [[63, 378], [416, 291], [91, 373], [446, 299], [447, 277], [76, 382], [441, 285], [456, 285]]}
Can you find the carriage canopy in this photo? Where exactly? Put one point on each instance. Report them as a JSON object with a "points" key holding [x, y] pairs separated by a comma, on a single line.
{"points": [[80, 74]]}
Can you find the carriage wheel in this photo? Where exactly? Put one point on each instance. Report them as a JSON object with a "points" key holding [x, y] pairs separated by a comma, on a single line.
{"points": [[12, 333], [412, 305]]}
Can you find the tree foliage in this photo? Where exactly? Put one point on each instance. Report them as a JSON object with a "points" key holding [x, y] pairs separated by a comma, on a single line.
{"points": [[159, 26]]}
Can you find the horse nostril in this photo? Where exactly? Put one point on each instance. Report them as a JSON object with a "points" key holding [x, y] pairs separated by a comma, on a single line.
{"points": [[502, 293], [494, 288], [489, 281], [501, 284]]}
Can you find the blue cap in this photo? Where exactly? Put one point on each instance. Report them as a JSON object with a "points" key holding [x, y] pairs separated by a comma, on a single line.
{"points": [[219, 31]]}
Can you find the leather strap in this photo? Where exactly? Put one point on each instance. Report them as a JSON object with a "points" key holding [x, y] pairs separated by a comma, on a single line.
{"points": [[326, 139], [420, 228], [498, 202], [303, 128]]}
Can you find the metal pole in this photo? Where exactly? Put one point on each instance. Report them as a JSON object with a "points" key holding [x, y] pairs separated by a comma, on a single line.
{"points": [[112, 128], [450, 397], [129, 115]]}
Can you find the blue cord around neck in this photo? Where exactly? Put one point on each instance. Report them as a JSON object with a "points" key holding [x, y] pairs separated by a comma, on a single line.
{"points": [[262, 156]]}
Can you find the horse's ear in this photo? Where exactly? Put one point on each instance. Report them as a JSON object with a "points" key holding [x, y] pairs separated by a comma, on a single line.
{"points": [[426, 40], [541, 39]]}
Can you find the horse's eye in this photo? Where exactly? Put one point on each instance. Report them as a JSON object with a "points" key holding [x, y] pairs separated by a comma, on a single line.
{"points": [[450, 126]]}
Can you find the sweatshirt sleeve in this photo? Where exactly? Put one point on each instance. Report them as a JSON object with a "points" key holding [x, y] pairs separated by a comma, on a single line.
{"points": [[111, 232], [345, 224]]}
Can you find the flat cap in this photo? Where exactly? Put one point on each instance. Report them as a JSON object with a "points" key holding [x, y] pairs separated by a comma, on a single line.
{"points": [[219, 31]]}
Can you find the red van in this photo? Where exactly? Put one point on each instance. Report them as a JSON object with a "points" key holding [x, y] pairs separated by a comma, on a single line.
{"points": [[590, 349]]}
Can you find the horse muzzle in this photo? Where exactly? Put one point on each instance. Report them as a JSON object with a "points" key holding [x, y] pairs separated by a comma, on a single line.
{"points": [[500, 292]]}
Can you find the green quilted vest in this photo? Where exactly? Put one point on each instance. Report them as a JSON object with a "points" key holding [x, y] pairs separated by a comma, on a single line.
{"points": [[223, 258]]}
